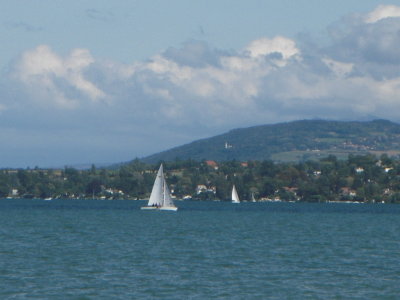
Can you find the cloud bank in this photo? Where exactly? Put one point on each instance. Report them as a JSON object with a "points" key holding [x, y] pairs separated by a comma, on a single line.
{"points": [[195, 90]]}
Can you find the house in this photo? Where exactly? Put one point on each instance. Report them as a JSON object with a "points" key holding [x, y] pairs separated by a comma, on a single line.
{"points": [[359, 170], [346, 191], [201, 188], [387, 191], [212, 189], [291, 190], [212, 164]]}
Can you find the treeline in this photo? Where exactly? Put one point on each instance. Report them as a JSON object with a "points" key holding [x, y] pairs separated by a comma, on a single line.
{"points": [[364, 178]]}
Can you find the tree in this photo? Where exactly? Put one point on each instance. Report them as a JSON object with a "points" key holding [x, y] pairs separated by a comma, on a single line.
{"points": [[268, 187], [94, 187], [4, 190], [309, 192]]}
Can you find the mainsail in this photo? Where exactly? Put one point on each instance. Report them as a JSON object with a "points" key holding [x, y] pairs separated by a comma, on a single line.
{"points": [[156, 197], [235, 197]]}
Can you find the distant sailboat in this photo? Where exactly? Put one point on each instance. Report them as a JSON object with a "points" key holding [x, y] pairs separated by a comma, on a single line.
{"points": [[160, 197], [252, 198], [235, 197]]}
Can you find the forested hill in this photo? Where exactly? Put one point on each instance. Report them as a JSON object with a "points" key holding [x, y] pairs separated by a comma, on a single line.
{"points": [[292, 141]]}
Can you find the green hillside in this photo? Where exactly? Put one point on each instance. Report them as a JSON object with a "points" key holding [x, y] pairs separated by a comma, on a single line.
{"points": [[292, 141]]}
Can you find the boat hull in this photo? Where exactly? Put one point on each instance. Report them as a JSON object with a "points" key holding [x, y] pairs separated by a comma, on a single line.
{"points": [[169, 208], [149, 207]]}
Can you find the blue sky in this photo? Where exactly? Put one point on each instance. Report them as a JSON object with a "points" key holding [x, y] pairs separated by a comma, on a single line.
{"points": [[107, 81]]}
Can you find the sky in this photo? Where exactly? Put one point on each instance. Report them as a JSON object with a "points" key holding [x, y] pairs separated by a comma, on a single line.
{"points": [[96, 81]]}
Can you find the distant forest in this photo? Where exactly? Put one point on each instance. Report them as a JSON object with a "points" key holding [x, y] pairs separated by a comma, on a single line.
{"points": [[364, 178], [292, 142]]}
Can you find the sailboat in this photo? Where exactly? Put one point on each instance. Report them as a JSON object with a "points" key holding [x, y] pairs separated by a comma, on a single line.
{"points": [[160, 198], [252, 198], [235, 197]]}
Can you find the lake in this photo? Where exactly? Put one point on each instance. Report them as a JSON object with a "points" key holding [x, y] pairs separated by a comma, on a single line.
{"points": [[93, 249]]}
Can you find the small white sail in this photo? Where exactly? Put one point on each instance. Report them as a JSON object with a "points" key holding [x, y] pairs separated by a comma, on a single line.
{"points": [[252, 198], [235, 197]]}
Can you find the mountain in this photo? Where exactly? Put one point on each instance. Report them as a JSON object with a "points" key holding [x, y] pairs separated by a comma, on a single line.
{"points": [[291, 141]]}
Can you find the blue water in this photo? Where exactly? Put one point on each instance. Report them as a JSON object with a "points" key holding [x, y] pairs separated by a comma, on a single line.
{"points": [[88, 249]]}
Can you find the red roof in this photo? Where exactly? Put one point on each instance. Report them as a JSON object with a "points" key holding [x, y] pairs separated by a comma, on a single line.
{"points": [[211, 163]]}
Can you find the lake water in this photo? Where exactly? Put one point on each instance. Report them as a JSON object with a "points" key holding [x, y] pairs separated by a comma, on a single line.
{"points": [[89, 249]]}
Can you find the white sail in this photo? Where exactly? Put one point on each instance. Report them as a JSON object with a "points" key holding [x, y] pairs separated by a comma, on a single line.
{"points": [[235, 197], [160, 197], [167, 196], [252, 198], [156, 197]]}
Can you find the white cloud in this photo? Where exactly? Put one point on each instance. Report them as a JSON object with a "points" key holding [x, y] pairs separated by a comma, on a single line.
{"points": [[50, 76], [372, 47], [340, 69], [264, 46], [382, 12], [207, 86], [232, 80]]}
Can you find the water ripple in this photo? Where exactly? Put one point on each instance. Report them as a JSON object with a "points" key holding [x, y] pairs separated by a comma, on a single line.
{"points": [[112, 250]]}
